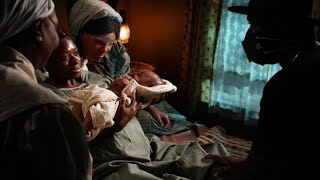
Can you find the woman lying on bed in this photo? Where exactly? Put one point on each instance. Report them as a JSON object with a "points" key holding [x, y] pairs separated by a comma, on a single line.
{"points": [[127, 153]]}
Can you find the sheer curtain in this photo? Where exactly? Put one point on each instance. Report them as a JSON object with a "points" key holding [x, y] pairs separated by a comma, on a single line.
{"points": [[201, 27], [237, 85]]}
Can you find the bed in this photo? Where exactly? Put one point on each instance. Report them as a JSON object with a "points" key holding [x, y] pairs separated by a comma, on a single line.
{"points": [[237, 147]]}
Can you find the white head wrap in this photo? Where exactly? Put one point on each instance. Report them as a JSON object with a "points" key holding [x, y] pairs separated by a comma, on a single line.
{"points": [[17, 15], [85, 10]]}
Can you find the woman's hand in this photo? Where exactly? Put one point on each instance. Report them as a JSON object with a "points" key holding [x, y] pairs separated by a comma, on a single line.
{"points": [[118, 84], [160, 116], [125, 112]]}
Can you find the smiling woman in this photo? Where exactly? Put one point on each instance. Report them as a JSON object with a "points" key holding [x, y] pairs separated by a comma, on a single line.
{"points": [[96, 27], [96, 46], [64, 68], [65, 59]]}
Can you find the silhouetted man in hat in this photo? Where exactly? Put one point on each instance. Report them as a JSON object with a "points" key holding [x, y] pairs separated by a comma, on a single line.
{"points": [[282, 31]]}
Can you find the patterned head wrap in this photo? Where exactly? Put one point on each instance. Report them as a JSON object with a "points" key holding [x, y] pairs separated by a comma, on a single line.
{"points": [[84, 11], [17, 15]]}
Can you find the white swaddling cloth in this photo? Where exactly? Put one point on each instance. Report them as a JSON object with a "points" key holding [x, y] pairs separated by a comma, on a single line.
{"points": [[102, 103], [145, 94]]}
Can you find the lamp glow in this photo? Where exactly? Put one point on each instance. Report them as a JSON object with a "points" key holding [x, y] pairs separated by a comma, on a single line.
{"points": [[124, 33]]}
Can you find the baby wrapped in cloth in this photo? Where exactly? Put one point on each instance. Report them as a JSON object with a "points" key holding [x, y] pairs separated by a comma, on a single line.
{"points": [[96, 106]]}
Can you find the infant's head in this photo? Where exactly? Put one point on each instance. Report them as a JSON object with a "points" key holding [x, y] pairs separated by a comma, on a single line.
{"points": [[118, 84], [148, 78]]}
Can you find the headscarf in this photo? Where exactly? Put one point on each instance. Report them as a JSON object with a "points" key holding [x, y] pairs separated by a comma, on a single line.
{"points": [[17, 15], [84, 11]]}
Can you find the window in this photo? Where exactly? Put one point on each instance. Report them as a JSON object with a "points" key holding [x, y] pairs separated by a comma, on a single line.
{"points": [[237, 84]]}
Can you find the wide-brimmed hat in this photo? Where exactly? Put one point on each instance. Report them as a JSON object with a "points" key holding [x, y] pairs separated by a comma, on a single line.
{"points": [[300, 9]]}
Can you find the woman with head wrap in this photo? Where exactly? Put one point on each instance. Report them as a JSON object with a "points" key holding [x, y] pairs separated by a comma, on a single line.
{"points": [[37, 131], [95, 26]]}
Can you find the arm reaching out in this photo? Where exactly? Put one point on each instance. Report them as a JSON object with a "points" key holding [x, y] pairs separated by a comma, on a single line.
{"points": [[160, 116]]}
